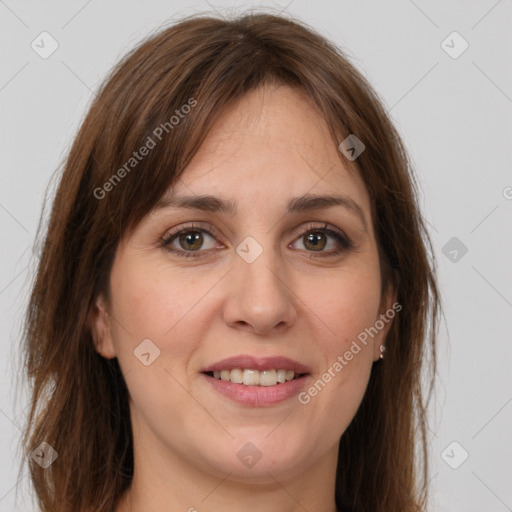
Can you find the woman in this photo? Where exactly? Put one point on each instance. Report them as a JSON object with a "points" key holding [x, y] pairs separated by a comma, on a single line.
{"points": [[236, 294]]}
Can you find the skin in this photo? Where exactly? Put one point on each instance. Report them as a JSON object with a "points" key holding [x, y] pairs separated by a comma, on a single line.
{"points": [[266, 148]]}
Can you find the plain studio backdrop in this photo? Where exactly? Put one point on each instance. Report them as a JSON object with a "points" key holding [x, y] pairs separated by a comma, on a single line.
{"points": [[443, 70]]}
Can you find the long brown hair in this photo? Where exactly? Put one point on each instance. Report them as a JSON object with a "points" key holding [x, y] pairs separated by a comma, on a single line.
{"points": [[79, 400]]}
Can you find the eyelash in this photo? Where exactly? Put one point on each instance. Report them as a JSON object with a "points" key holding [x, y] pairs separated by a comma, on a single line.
{"points": [[345, 243]]}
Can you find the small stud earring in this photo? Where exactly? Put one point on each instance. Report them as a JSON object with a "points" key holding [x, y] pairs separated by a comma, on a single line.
{"points": [[382, 349]]}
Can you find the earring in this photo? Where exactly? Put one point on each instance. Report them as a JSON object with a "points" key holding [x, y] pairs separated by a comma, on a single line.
{"points": [[382, 349]]}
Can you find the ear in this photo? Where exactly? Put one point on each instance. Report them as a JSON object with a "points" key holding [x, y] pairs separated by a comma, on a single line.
{"points": [[388, 309], [99, 323]]}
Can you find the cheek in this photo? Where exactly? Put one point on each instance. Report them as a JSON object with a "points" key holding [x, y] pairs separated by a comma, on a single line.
{"points": [[345, 303], [148, 305], [169, 307]]}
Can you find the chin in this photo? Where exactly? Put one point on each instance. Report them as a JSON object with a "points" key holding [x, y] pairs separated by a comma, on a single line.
{"points": [[261, 460]]}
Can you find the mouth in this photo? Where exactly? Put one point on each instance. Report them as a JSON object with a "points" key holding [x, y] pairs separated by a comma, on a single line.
{"points": [[257, 382]]}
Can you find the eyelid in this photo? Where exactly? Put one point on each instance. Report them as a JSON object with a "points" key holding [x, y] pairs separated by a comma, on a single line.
{"points": [[344, 240], [192, 226]]}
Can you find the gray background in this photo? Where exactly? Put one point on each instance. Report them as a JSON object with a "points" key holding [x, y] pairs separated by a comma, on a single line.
{"points": [[455, 115]]}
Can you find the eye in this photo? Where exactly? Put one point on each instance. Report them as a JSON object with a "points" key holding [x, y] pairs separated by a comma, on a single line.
{"points": [[188, 240], [316, 239]]}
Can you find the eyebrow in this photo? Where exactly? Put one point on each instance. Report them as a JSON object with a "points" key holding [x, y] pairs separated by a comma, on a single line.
{"points": [[306, 202]]}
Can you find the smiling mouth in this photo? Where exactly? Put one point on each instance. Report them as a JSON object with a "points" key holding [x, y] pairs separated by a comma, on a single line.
{"points": [[251, 377]]}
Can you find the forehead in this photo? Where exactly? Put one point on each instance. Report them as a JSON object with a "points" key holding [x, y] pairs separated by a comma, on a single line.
{"points": [[271, 144]]}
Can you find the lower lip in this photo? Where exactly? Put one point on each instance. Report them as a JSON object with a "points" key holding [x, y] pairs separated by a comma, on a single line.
{"points": [[257, 396]]}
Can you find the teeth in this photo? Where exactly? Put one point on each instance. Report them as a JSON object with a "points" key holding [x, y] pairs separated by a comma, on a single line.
{"points": [[268, 378], [250, 377], [236, 376]]}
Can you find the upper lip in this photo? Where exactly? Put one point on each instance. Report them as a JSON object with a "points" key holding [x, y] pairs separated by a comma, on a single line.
{"points": [[257, 363]]}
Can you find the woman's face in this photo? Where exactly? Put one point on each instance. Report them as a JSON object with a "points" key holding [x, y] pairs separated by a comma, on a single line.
{"points": [[267, 286]]}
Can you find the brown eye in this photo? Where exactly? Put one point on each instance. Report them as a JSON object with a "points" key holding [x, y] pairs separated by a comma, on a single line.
{"points": [[191, 240], [315, 241], [324, 241]]}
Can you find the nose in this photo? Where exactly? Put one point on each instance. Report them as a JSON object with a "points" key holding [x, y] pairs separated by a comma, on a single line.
{"points": [[260, 298]]}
